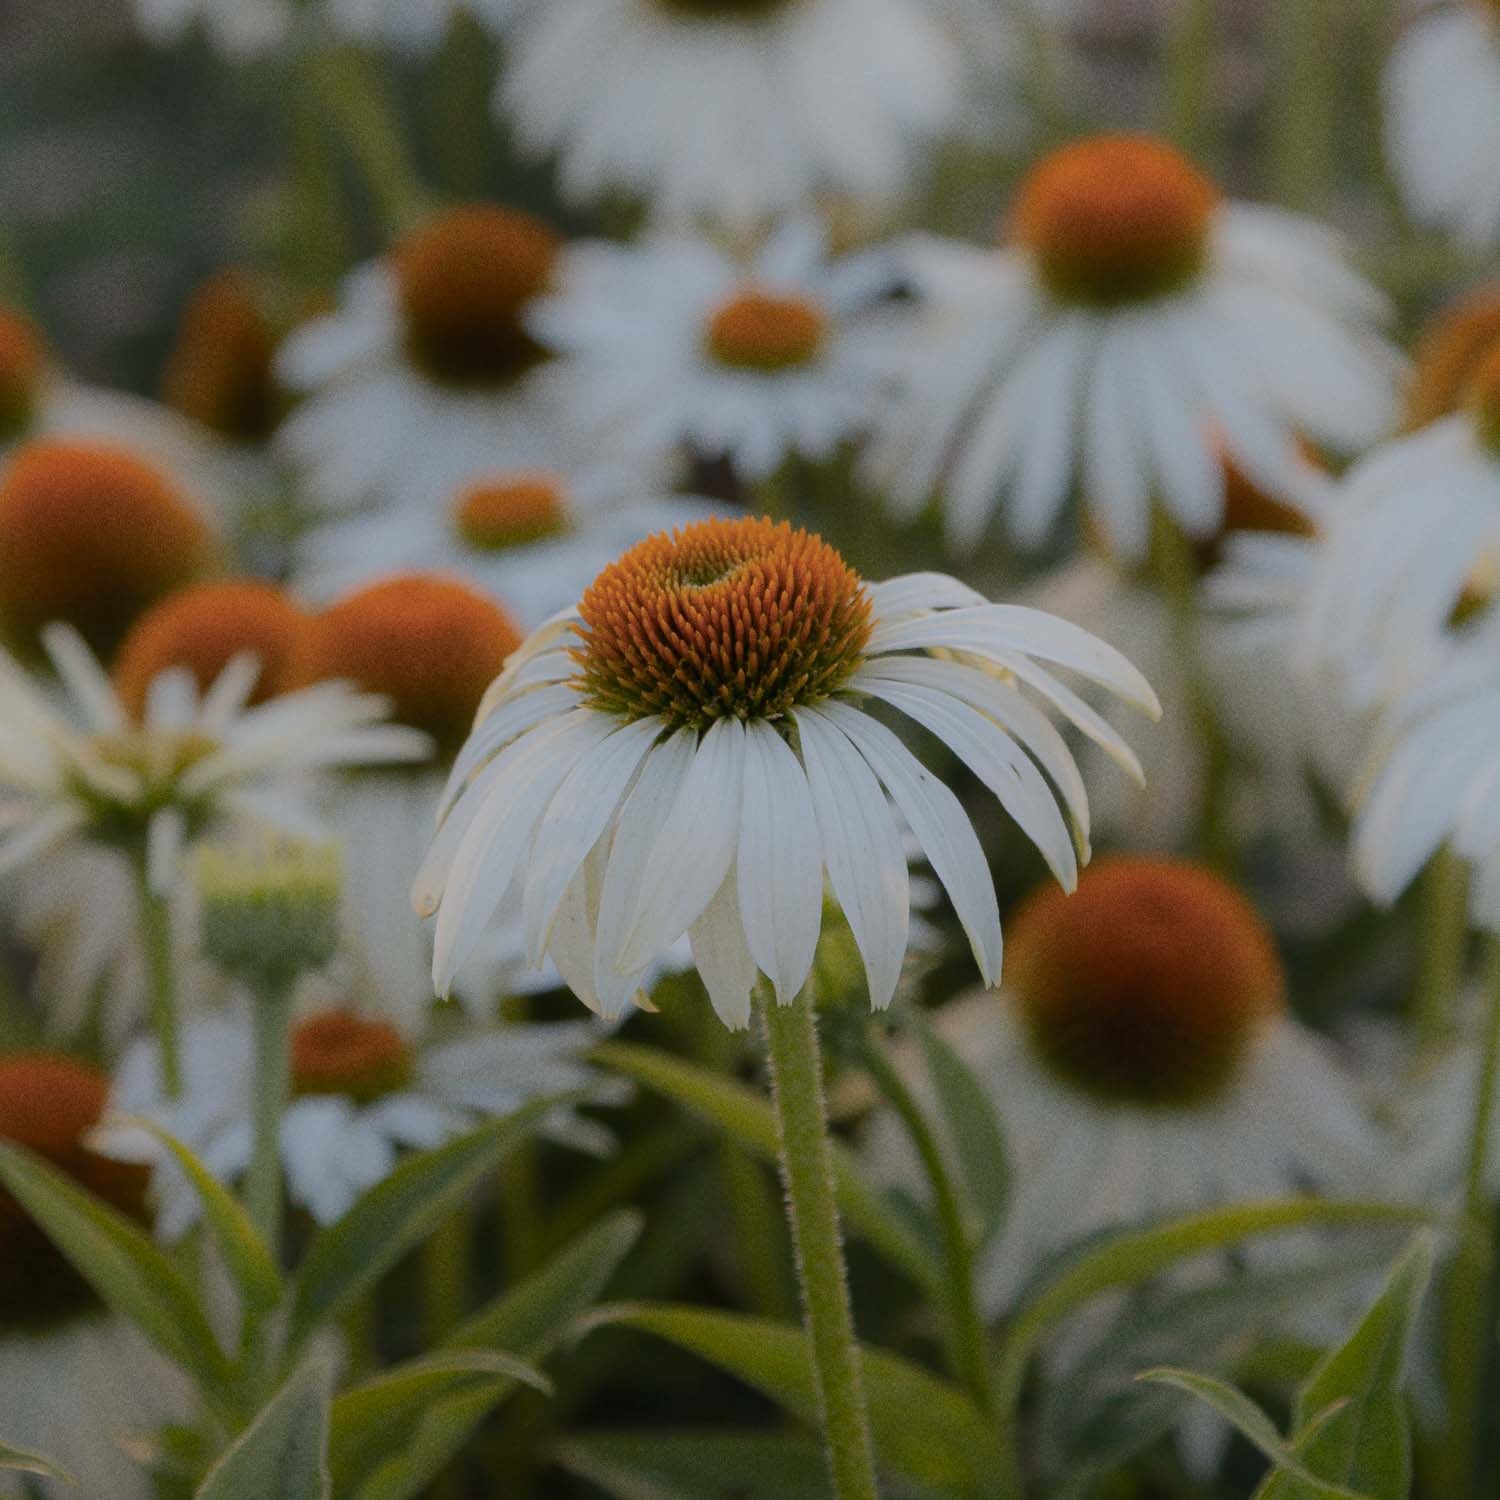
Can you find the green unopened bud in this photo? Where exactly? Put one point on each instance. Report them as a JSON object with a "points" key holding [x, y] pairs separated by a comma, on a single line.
{"points": [[270, 913]]}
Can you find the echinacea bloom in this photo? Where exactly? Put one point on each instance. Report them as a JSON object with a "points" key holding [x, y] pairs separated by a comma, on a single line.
{"points": [[1411, 566], [1434, 778], [533, 537], [363, 1093], [1442, 131], [75, 1380], [426, 375], [680, 349], [1134, 325], [691, 749], [732, 110], [146, 788], [1144, 1065]]}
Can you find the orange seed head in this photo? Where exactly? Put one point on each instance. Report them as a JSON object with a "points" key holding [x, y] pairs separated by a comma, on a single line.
{"points": [[91, 534], [342, 1052], [511, 510], [766, 333], [1145, 987], [219, 370], [747, 617], [1116, 219], [465, 278]]}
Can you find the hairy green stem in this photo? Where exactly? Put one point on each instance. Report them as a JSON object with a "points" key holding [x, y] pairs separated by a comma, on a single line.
{"points": [[807, 1173], [161, 977], [273, 1085], [1470, 1325], [969, 1349], [1304, 107]]}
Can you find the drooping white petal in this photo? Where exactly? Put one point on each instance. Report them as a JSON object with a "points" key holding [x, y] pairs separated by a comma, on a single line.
{"points": [[780, 861], [940, 824], [496, 841], [722, 958], [641, 818], [910, 593], [693, 847], [576, 817], [863, 850], [510, 720]]}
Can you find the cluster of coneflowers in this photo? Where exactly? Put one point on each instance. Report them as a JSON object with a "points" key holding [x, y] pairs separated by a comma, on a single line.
{"points": [[753, 622]]}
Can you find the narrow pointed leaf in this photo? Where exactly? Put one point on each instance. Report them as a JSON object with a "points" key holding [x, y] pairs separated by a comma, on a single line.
{"points": [[529, 1321], [245, 1253], [117, 1259], [1252, 1424], [922, 1426], [367, 1420], [284, 1451], [973, 1128], [1367, 1443], [743, 1114], [347, 1258]]}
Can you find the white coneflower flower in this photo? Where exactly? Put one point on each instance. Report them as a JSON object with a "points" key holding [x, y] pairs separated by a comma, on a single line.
{"points": [[1434, 779], [679, 349], [76, 1382], [1143, 1064], [1411, 566], [426, 375], [691, 749], [147, 787], [1442, 91], [362, 1094], [734, 110], [1135, 325], [532, 537]]}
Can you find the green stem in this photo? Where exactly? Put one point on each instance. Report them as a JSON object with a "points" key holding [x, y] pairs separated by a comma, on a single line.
{"points": [[1305, 104], [161, 977], [1444, 939], [807, 1173], [358, 106], [1191, 62], [1469, 1282], [272, 1090], [968, 1345], [447, 1267], [1176, 573]]}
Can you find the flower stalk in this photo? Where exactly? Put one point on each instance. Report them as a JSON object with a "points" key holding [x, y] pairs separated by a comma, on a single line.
{"points": [[807, 1174], [161, 977], [273, 1087], [1444, 943], [1468, 1310]]}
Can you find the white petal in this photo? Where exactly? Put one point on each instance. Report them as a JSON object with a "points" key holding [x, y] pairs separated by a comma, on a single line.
{"points": [[940, 823], [780, 862], [692, 850], [724, 962], [863, 850], [84, 678]]}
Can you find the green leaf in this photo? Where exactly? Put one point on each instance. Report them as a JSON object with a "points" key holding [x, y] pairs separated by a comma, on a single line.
{"points": [[284, 1451], [368, 1420], [529, 1320], [1252, 1423], [118, 1260], [973, 1128], [700, 1466], [922, 1426], [245, 1253], [744, 1114], [19, 1461], [347, 1258], [1137, 1255], [1367, 1442]]}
